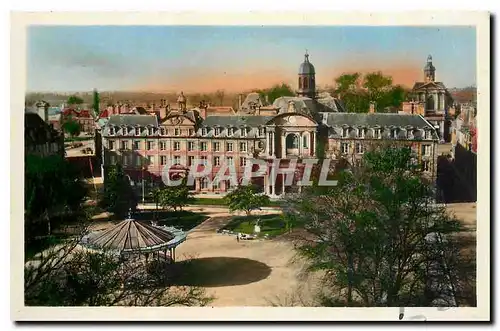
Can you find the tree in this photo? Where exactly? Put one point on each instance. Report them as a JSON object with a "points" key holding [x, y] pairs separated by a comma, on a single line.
{"points": [[219, 94], [379, 237], [67, 276], [52, 186], [74, 100], [275, 92], [95, 103], [72, 127], [347, 83], [175, 197], [118, 196], [246, 199]]}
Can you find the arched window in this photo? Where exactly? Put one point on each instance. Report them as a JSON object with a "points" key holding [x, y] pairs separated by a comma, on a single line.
{"points": [[305, 140], [306, 83], [430, 102], [292, 141]]}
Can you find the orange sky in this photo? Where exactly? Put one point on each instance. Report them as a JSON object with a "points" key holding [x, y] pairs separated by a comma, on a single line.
{"points": [[249, 78]]}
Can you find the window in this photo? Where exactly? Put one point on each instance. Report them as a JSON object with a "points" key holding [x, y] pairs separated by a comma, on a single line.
{"points": [[216, 147], [426, 150], [163, 160], [204, 160], [360, 148], [150, 145], [191, 132], [230, 131], [243, 161], [426, 165], [111, 144], [112, 159], [177, 132], [111, 131], [217, 131], [215, 184], [124, 145], [409, 133], [345, 132], [230, 161], [163, 131], [125, 160], [243, 147], [345, 148], [262, 132], [229, 147], [138, 161], [203, 146], [137, 131], [124, 130], [177, 160], [204, 183], [151, 160], [394, 133], [137, 145], [361, 132], [163, 145], [244, 132], [150, 131], [204, 131], [292, 141], [428, 134], [190, 146], [177, 146], [376, 133], [190, 160], [216, 161], [305, 141]]}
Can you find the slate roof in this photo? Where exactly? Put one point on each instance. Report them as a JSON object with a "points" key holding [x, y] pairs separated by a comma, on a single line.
{"points": [[133, 120], [236, 121], [377, 119], [308, 105]]}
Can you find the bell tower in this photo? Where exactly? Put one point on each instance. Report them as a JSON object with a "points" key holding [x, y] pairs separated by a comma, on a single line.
{"points": [[307, 79], [429, 71]]}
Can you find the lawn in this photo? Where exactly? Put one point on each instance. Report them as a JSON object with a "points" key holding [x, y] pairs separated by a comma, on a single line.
{"points": [[185, 220], [272, 225]]}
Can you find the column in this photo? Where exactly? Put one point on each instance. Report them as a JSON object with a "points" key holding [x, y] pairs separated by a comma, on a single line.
{"points": [[442, 105], [273, 192], [283, 145], [269, 143], [441, 129], [273, 140], [266, 183], [436, 104], [313, 144], [283, 185]]}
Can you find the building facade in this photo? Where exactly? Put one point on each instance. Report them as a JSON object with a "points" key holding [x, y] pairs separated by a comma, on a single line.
{"points": [[40, 138], [289, 132]]}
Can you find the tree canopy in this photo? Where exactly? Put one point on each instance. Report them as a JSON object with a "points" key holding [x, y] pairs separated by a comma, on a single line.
{"points": [[74, 100], [357, 91], [380, 239], [118, 196], [245, 198], [71, 127], [51, 185], [276, 91], [174, 197], [95, 103]]}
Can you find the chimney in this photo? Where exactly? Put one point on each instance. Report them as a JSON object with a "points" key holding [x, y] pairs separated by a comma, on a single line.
{"points": [[372, 107], [43, 111], [163, 112], [267, 99], [203, 111], [240, 102]]}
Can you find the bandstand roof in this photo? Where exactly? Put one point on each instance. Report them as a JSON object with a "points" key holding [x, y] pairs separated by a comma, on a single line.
{"points": [[132, 236]]}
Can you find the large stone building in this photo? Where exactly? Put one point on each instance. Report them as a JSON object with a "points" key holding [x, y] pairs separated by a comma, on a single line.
{"points": [[432, 100], [40, 137], [289, 131]]}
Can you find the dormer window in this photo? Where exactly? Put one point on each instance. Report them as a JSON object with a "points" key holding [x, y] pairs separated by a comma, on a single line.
{"points": [[243, 132], [428, 134], [124, 130], [191, 132], [204, 131], [409, 134], [150, 131], [345, 132], [262, 132], [137, 131], [163, 131], [111, 131], [376, 133], [217, 131], [177, 132], [361, 132], [394, 133]]}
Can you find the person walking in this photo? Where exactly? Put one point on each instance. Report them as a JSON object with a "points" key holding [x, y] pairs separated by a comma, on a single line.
{"points": [[238, 237]]}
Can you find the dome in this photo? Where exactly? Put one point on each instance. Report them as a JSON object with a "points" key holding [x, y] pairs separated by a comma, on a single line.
{"points": [[306, 68]]}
